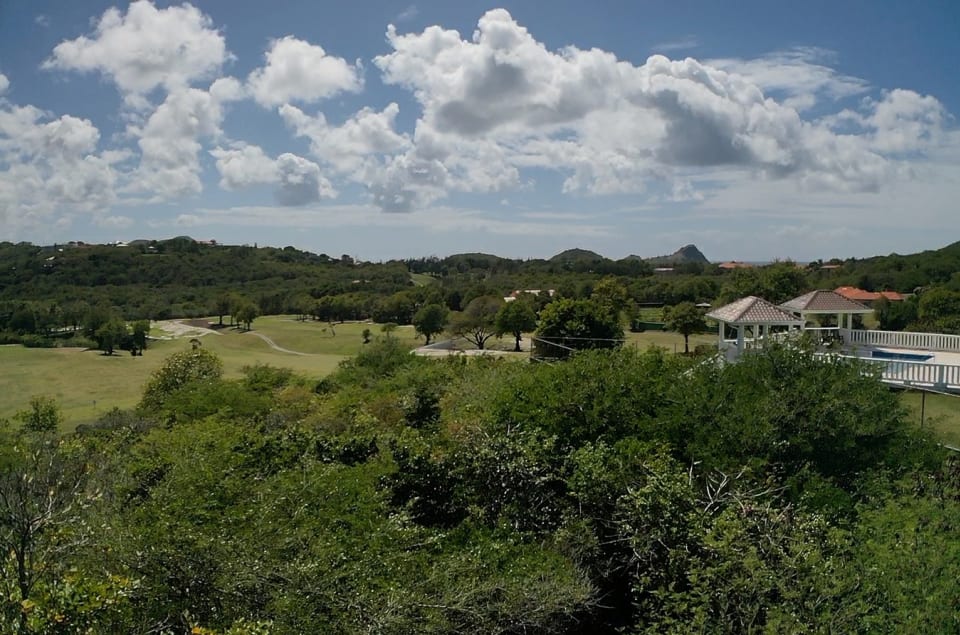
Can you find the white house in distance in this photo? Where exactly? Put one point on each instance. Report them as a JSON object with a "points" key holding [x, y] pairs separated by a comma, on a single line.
{"points": [[926, 361]]}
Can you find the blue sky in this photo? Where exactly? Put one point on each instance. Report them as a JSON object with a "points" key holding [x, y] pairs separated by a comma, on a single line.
{"points": [[755, 130]]}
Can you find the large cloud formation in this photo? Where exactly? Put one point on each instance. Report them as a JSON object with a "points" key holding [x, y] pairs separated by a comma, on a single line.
{"points": [[495, 111], [502, 101]]}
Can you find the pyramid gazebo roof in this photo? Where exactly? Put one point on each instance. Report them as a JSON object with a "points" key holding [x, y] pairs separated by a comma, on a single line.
{"points": [[822, 301], [753, 310]]}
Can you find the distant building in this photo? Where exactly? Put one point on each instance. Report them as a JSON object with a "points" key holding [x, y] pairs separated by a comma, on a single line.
{"points": [[869, 297], [663, 270], [516, 294], [734, 264]]}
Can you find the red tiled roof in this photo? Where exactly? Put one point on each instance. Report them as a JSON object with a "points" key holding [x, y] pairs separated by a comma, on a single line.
{"points": [[734, 264], [859, 295]]}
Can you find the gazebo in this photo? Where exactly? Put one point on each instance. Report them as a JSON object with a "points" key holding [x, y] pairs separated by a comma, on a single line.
{"points": [[755, 314], [823, 302]]}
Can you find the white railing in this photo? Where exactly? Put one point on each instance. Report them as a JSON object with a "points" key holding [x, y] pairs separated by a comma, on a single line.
{"points": [[902, 339], [915, 373]]}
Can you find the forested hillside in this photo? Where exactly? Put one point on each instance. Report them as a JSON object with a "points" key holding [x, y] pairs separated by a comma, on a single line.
{"points": [[906, 273], [47, 291], [616, 490]]}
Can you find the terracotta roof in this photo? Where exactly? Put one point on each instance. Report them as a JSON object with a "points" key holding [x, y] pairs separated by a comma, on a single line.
{"points": [[822, 301], [859, 295], [753, 310], [735, 264]]}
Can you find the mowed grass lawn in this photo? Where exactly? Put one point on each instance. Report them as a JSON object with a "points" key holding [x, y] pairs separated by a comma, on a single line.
{"points": [[317, 338], [668, 340], [941, 413], [88, 384]]}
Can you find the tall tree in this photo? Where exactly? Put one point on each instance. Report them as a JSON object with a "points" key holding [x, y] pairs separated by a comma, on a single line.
{"points": [[430, 320], [247, 313], [476, 322], [610, 295], [686, 319], [567, 324], [223, 304], [516, 318], [140, 328], [111, 334]]}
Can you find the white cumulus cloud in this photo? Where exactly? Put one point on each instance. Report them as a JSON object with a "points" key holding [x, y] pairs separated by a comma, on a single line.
{"points": [[146, 48], [297, 180], [348, 146], [296, 70], [170, 140], [50, 169]]}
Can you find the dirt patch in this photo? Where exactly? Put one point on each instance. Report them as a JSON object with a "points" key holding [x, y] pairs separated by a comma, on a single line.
{"points": [[174, 329], [200, 324]]}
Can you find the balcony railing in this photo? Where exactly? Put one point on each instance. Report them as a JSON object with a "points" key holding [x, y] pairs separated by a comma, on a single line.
{"points": [[902, 339]]}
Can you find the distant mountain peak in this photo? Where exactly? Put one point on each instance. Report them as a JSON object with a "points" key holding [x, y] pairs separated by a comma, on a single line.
{"points": [[687, 253], [576, 254]]}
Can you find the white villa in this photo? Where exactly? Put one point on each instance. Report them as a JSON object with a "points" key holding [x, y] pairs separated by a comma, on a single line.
{"points": [[929, 361]]}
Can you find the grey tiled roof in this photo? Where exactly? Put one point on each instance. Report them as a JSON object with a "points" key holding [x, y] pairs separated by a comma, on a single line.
{"points": [[753, 310], [824, 302]]}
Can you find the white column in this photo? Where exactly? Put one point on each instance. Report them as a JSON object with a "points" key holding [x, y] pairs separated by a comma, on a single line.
{"points": [[740, 328], [720, 335]]}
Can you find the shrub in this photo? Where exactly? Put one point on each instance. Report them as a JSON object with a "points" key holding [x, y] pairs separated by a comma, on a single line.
{"points": [[31, 340]]}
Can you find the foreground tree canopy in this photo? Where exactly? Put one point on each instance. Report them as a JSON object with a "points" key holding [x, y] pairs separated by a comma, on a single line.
{"points": [[616, 490]]}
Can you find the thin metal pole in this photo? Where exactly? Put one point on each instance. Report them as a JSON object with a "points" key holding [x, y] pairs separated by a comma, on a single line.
{"points": [[923, 405]]}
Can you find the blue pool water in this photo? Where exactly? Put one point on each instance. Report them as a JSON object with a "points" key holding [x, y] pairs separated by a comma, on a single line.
{"points": [[900, 356]]}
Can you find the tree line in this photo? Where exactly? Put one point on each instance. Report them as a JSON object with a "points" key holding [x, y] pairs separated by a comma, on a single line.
{"points": [[45, 289]]}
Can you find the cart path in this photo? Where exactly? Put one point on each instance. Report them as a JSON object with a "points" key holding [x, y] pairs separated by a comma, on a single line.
{"points": [[274, 346]]}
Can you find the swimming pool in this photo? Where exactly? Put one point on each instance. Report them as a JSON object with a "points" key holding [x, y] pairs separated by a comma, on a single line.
{"points": [[901, 356]]}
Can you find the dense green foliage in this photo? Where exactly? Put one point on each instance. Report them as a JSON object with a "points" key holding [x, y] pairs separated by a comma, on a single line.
{"points": [[615, 490], [568, 325]]}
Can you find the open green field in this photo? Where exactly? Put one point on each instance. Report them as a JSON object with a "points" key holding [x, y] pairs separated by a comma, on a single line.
{"points": [[320, 338], [87, 384], [422, 279], [941, 413], [669, 340]]}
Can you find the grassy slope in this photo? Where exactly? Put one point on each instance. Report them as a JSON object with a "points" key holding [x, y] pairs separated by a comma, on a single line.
{"points": [[88, 384], [942, 413], [422, 279]]}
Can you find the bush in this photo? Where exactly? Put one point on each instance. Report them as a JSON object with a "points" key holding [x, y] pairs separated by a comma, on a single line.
{"points": [[31, 340], [6, 337], [79, 341]]}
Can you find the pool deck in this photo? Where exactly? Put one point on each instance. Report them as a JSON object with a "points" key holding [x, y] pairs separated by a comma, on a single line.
{"points": [[940, 373], [939, 357]]}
